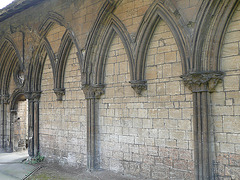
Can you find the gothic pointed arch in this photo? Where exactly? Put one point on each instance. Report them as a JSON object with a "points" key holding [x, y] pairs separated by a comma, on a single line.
{"points": [[55, 18], [63, 53], [95, 34], [156, 12], [114, 26], [208, 41], [17, 93], [37, 64], [9, 59], [7, 74], [68, 40], [49, 21], [6, 57], [10, 40]]}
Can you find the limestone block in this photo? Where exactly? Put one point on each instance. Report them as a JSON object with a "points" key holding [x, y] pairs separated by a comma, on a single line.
{"points": [[231, 37], [235, 95], [231, 124], [233, 138], [160, 142], [159, 59], [184, 144], [170, 124], [231, 83], [236, 111], [153, 133], [175, 113], [226, 147], [230, 63], [171, 142], [223, 110], [184, 124], [126, 139], [152, 151], [152, 113], [139, 140], [170, 57], [230, 49], [137, 157], [234, 26], [147, 123], [167, 70], [149, 141], [173, 88], [187, 113], [137, 123], [151, 72]]}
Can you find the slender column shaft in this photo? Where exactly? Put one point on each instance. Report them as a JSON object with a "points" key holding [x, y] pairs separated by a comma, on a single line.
{"points": [[205, 137], [2, 125], [92, 93], [36, 127], [195, 130], [201, 84], [12, 118], [4, 119], [201, 136], [30, 127], [33, 122], [91, 134]]}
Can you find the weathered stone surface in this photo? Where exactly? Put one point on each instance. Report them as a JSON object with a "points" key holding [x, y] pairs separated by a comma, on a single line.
{"points": [[111, 93]]}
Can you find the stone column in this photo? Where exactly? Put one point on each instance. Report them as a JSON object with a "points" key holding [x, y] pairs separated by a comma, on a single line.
{"points": [[5, 102], [201, 84], [33, 122], [30, 98], [36, 98], [92, 94], [1, 124], [13, 116]]}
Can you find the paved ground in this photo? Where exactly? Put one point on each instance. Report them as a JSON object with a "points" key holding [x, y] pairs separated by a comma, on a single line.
{"points": [[54, 171], [12, 168]]}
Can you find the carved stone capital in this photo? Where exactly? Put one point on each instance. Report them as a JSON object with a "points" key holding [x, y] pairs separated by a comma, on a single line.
{"points": [[28, 95], [93, 91], [202, 81], [139, 85], [36, 95], [5, 98], [60, 92], [33, 96]]}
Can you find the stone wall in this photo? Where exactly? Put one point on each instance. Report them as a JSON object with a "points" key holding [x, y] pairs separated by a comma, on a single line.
{"points": [[63, 123], [226, 103], [148, 135], [107, 90]]}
